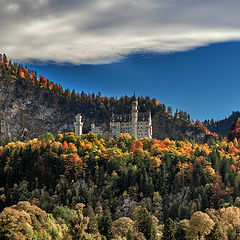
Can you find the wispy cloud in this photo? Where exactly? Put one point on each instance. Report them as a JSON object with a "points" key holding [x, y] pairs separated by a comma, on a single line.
{"points": [[102, 31]]}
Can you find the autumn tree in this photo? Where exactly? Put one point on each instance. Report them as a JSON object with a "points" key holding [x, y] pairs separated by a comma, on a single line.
{"points": [[26, 221], [122, 227], [200, 225]]}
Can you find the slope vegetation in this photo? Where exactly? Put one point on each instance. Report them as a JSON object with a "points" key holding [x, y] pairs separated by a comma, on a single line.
{"points": [[148, 185], [32, 105]]}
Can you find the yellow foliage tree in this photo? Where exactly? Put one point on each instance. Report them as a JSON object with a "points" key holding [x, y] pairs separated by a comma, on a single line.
{"points": [[200, 225]]}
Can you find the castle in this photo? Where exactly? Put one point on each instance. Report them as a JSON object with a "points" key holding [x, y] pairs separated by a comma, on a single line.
{"points": [[137, 124]]}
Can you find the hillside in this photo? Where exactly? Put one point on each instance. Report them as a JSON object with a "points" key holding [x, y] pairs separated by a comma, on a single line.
{"points": [[32, 105], [119, 188], [222, 126]]}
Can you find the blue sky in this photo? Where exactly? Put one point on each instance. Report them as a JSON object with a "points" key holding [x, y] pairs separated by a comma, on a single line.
{"points": [[109, 47], [203, 81]]}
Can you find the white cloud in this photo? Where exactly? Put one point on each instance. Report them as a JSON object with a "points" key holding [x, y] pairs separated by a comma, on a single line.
{"points": [[102, 31], [12, 8]]}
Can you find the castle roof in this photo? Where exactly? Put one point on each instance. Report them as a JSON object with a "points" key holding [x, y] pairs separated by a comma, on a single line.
{"points": [[142, 117]]}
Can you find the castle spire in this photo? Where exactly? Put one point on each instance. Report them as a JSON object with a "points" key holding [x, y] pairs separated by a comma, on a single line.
{"points": [[134, 96]]}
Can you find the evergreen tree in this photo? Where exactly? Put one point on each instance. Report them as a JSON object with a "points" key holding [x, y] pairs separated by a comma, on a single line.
{"points": [[92, 224], [78, 224], [144, 223], [169, 230], [105, 225]]}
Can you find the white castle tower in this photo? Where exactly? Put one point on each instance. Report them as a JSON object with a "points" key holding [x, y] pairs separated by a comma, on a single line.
{"points": [[78, 125], [134, 117], [149, 127]]}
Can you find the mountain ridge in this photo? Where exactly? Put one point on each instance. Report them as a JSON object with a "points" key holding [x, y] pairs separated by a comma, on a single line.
{"points": [[222, 126], [32, 105]]}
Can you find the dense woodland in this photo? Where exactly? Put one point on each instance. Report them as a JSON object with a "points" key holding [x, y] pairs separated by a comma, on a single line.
{"points": [[91, 105], [22, 82], [94, 187]]}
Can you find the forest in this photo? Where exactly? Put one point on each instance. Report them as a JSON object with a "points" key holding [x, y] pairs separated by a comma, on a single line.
{"points": [[61, 186], [97, 187], [23, 84]]}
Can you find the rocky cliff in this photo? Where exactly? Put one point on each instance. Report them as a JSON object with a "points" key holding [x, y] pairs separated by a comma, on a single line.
{"points": [[28, 116]]}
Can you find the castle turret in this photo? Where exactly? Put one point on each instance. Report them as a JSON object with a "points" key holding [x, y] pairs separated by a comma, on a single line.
{"points": [[149, 129], [134, 117], [78, 125]]}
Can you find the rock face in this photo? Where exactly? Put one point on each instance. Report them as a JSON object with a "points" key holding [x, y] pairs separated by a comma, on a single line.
{"points": [[170, 127], [26, 117]]}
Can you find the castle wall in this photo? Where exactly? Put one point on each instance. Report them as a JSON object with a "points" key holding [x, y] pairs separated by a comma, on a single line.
{"points": [[115, 129], [96, 130], [126, 127], [143, 129]]}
